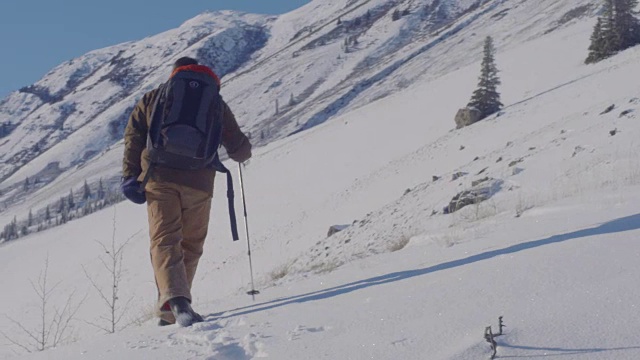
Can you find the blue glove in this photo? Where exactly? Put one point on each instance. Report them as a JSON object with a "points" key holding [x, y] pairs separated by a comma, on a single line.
{"points": [[130, 187]]}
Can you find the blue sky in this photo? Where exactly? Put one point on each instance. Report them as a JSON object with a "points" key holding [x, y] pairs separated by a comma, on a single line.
{"points": [[37, 35]]}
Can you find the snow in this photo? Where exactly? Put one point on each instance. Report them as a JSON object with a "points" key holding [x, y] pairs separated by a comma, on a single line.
{"points": [[554, 251]]}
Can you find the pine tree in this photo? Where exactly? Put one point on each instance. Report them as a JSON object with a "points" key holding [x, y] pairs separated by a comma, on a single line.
{"points": [[292, 100], [30, 219], [610, 37], [61, 205], [396, 15], [486, 98], [27, 183], [616, 30], [87, 191], [596, 49], [626, 25], [47, 215], [100, 190], [70, 200]]}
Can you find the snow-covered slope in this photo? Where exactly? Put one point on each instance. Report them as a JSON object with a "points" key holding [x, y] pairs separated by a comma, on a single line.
{"points": [[553, 250], [312, 66]]}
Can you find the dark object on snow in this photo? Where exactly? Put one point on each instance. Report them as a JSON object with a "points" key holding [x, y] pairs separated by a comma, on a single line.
{"points": [[467, 116], [488, 336], [499, 159], [462, 147], [476, 158], [482, 171], [609, 109], [477, 194], [480, 181], [465, 198], [407, 191], [336, 229], [436, 178], [613, 132], [515, 162], [458, 175], [626, 112]]}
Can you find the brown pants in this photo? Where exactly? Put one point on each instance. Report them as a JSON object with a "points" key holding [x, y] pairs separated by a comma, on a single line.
{"points": [[178, 224]]}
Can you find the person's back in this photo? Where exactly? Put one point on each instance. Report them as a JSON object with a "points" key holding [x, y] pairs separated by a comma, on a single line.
{"points": [[178, 199]]}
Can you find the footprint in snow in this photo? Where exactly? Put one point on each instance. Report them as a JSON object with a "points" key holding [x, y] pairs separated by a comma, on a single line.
{"points": [[301, 330]]}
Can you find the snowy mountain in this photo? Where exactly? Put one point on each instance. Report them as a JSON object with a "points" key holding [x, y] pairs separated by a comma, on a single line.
{"points": [[552, 249], [325, 59]]}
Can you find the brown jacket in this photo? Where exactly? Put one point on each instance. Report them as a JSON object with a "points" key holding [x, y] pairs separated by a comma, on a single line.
{"points": [[136, 157]]}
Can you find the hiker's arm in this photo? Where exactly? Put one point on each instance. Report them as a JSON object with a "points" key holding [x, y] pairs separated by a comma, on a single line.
{"points": [[135, 136], [234, 141]]}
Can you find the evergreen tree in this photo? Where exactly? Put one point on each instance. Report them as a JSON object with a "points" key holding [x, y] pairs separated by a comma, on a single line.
{"points": [[616, 30], [47, 215], [30, 219], [626, 25], [101, 192], [339, 21], [87, 191], [396, 15], [61, 205], [486, 98], [292, 100], [596, 49], [70, 200], [26, 184]]}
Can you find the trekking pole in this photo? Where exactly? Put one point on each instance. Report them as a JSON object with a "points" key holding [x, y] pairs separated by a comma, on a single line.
{"points": [[253, 291]]}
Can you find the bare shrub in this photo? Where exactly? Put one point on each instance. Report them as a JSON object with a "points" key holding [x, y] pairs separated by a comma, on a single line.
{"points": [[110, 295], [54, 327]]}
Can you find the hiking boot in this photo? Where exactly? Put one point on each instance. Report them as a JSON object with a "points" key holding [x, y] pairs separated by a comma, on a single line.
{"points": [[184, 314], [163, 322]]}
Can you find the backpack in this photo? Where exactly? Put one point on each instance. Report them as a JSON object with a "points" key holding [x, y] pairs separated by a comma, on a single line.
{"points": [[186, 122], [186, 127]]}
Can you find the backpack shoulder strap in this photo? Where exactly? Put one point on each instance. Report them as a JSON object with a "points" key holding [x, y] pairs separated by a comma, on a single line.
{"points": [[230, 196]]}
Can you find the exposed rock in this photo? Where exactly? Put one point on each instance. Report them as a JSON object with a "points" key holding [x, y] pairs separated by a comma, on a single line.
{"points": [[336, 229], [609, 109], [467, 116], [626, 112], [515, 162], [480, 181], [477, 194], [458, 175]]}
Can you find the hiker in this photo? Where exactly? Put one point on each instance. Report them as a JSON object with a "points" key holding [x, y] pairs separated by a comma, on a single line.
{"points": [[170, 164]]}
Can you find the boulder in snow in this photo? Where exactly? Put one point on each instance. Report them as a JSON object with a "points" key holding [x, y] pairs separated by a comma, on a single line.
{"points": [[477, 194], [467, 116], [336, 229]]}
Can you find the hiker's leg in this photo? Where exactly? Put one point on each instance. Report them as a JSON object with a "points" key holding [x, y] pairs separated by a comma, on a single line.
{"points": [[165, 230], [196, 207]]}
